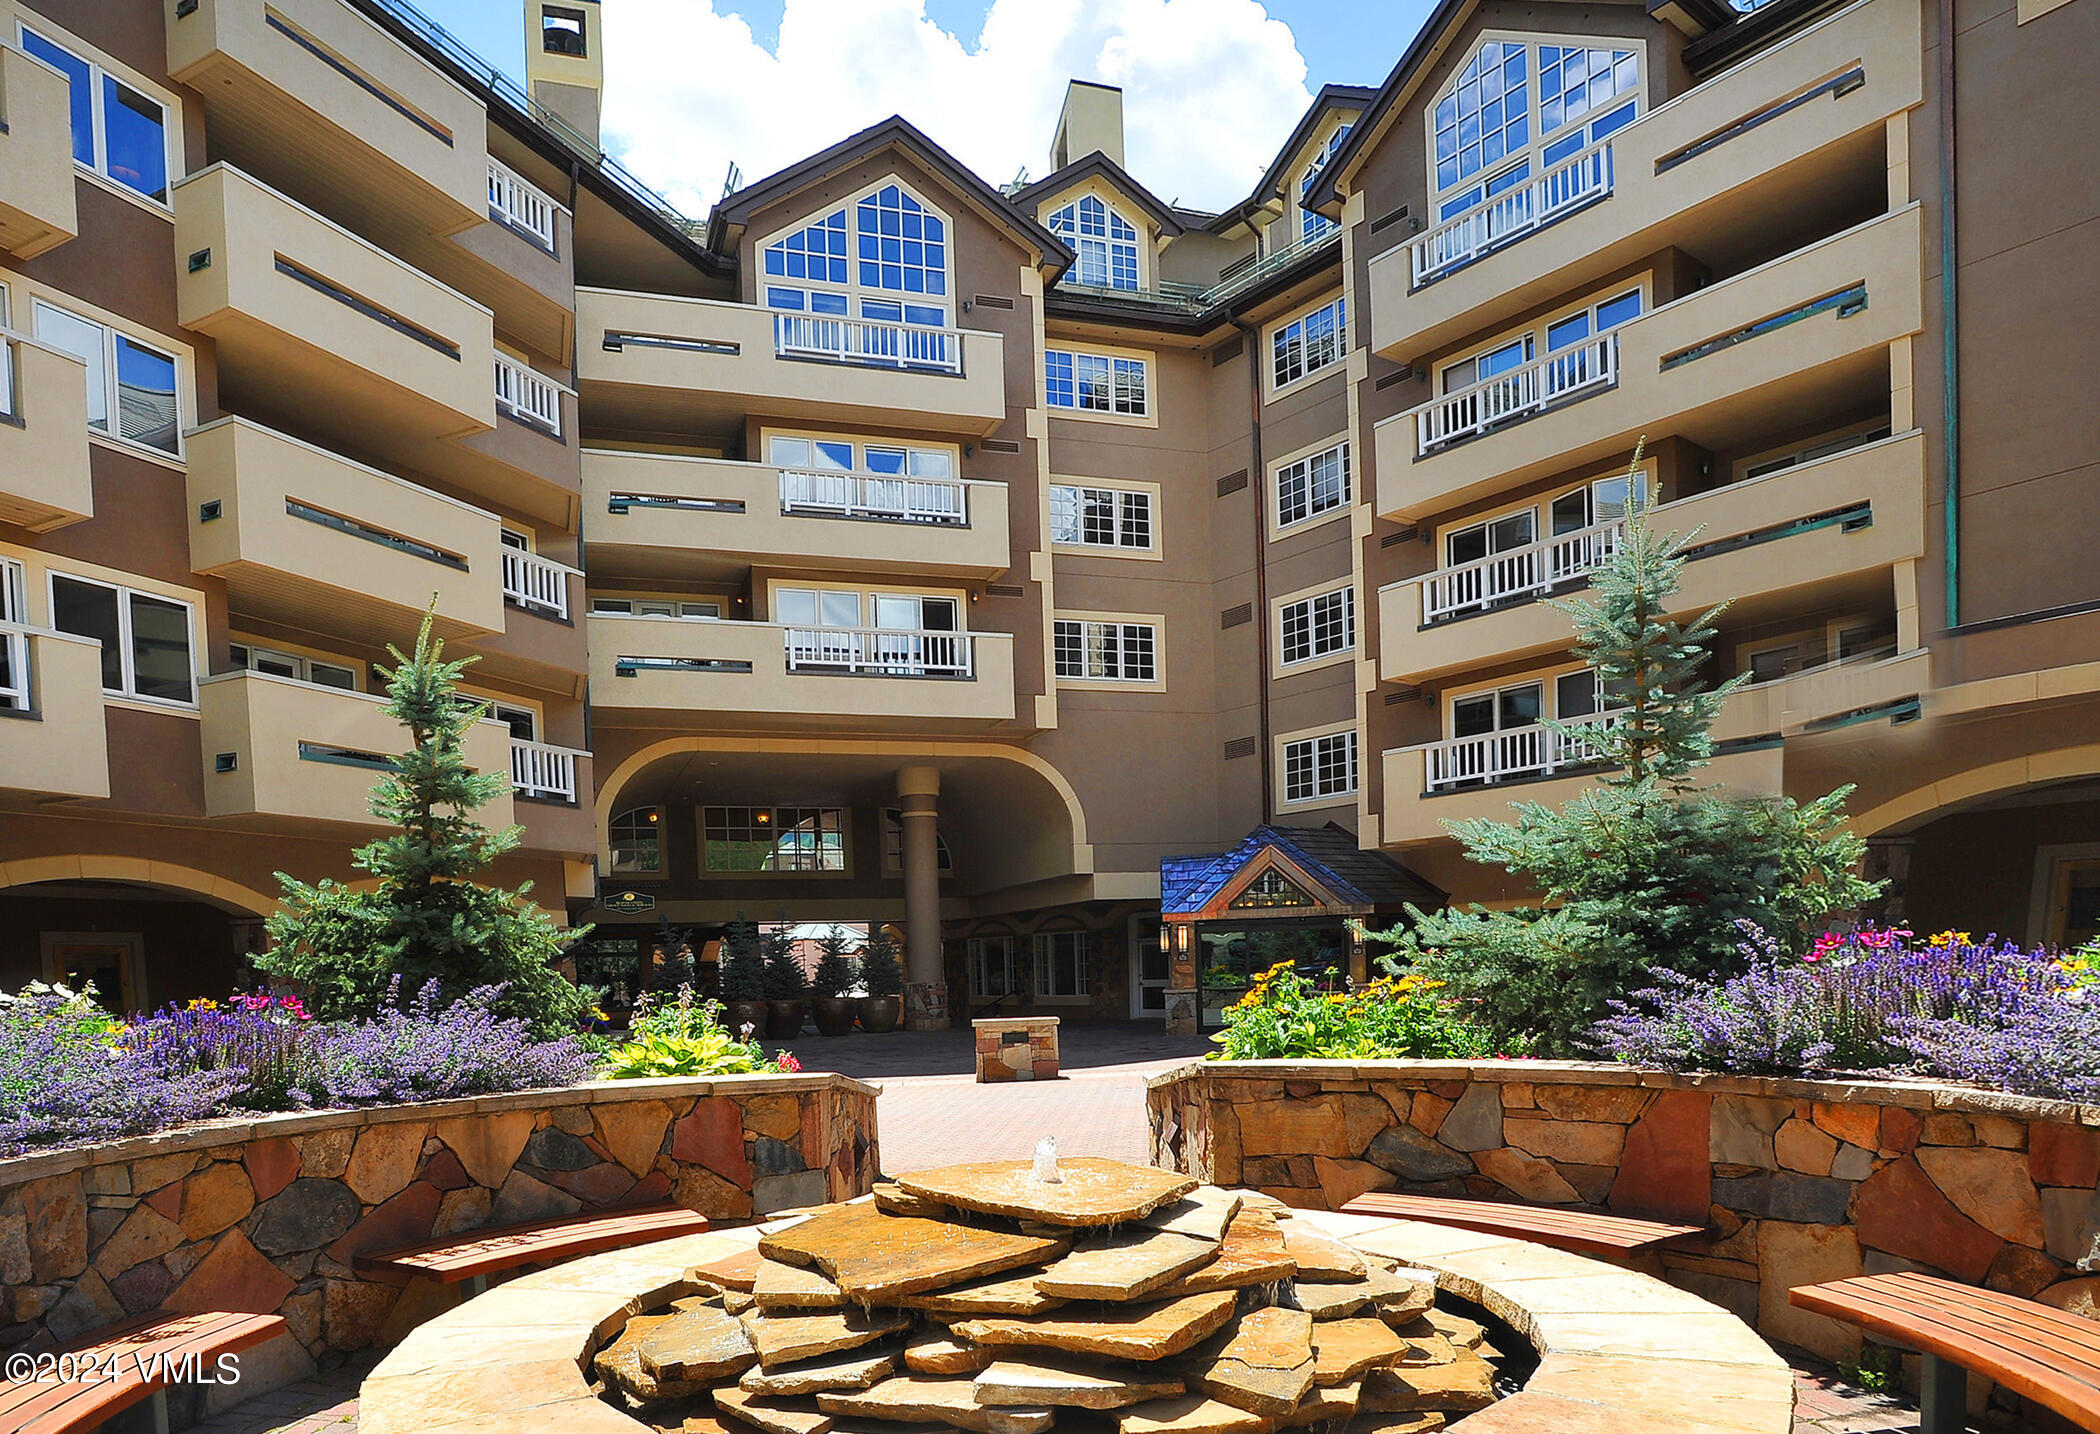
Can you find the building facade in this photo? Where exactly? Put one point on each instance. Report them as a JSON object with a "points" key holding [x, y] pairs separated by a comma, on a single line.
{"points": [[889, 547]]}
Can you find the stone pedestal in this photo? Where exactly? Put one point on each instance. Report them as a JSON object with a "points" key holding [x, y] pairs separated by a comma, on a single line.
{"points": [[926, 1005], [1016, 1048]]}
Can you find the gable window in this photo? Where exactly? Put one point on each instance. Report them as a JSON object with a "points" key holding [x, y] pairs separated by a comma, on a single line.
{"points": [[117, 132], [1517, 108], [1106, 243], [1319, 626], [1306, 345], [636, 837], [1270, 890], [1315, 484], [1316, 768], [1106, 651], [884, 256], [1096, 383], [1575, 82], [562, 32], [991, 966], [145, 638], [131, 389], [1311, 223], [1061, 965], [1100, 517], [773, 838]]}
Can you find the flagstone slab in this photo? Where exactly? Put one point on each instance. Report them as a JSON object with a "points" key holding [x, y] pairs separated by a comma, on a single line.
{"points": [[1320, 1258], [1190, 1414], [1205, 1212], [732, 1272], [1252, 1253], [779, 1286], [1367, 1422], [1070, 1383], [996, 1295], [1090, 1190], [703, 1343], [929, 1352], [1322, 1405], [1395, 1297], [772, 1416], [1125, 1265], [1346, 1349], [874, 1256], [894, 1200], [1143, 1332], [1266, 1366], [787, 1338], [620, 1364], [922, 1399], [1465, 1384], [854, 1370]]}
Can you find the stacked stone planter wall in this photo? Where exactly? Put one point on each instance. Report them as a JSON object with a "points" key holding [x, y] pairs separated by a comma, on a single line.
{"points": [[1799, 1181], [267, 1215]]}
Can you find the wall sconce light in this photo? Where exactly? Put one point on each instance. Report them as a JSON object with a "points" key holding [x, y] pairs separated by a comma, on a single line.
{"points": [[1184, 933]]}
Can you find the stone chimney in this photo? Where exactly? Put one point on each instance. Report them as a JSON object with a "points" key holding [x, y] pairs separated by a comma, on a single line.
{"points": [[1092, 120], [565, 61]]}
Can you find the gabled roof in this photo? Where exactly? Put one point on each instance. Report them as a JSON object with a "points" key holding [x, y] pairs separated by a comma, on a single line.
{"points": [[1328, 855], [1330, 98], [1100, 165], [735, 210]]}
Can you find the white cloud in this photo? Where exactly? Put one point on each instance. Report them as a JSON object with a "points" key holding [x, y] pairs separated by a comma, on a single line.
{"points": [[1211, 87]]}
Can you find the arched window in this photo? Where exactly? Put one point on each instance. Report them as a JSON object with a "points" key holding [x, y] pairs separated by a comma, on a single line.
{"points": [[636, 837], [884, 256], [1518, 108], [893, 846], [1105, 241]]}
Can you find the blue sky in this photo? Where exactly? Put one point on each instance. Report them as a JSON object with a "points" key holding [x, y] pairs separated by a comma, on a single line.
{"points": [[1212, 86]]}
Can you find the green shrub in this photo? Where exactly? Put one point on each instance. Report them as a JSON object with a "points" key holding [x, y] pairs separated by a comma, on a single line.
{"points": [[743, 968], [681, 1037], [785, 980], [1284, 1016], [880, 975], [836, 973]]}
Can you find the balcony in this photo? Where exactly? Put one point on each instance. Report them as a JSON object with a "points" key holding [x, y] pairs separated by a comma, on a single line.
{"points": [[1800, 126], [309, 318], [286, 752], [325, 103], [543, 772], [1712, 367], [45, 481], [760, 675], [1848, 515], [315, 541], [528, 462], [663, 364], [537, 584], [36, 157], [670, 516], [52, 739]]}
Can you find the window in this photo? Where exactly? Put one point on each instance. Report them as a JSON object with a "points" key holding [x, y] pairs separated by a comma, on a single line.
{"points": [[117, 132], [893, 846], [991, 966], [1573, 82], [1486, 116], [14, 649], [636, 837], [1100, 517], [836, 455], [773, 838], [1485, 136], [562, 31], [145, 639], [1106, 651], [130, 386], [298, 668], [1060, 965], [1104, 240], [1304, 346], [1270, 890], [1481, 713], [1096, 383], [1810, 452], [1310, 486], [524, 722], [1316, 768], [1319, 626], [1311, 223], [895, 247], [708, 609], [902, 246]]}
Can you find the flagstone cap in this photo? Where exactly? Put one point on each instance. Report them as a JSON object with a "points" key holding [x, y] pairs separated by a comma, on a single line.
{"points": [[1090, 1190]]}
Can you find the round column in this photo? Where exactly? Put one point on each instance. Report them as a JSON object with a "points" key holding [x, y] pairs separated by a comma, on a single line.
{"points": [[925, 977]]}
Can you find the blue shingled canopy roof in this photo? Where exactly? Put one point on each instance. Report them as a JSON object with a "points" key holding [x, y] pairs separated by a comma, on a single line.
{"points": [[1328, 854]]}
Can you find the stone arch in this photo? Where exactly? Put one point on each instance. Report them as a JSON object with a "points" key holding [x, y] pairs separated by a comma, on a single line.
{"points": [[216, 890], [1914, 808]]}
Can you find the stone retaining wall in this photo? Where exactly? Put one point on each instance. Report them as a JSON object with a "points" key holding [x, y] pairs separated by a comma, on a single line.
{"points": [[267, 1214], [1799, 1181]]}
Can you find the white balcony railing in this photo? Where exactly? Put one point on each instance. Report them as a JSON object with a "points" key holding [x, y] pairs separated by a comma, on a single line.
{"points": [[1518, 393], [527, 395], [520, 204], [1509, 216], [530, 580], [864, 495], [1533, 751], [538, 770], [14, 668], [881, 652], [1517, 572], [867, 341]]}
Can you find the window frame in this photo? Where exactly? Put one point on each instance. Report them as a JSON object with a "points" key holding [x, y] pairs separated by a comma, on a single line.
{"points": [[1127, 626], [633, 599], [1315, 656], [1115, 362], [854, 293], [1108, 243], [843, 827], [1314, 744], [1313, 515], [976, 949], [1314, 226], [613, 843], [1533, 333], [102, 72], [19, 695], [111, 383], [892, 821], [126, 639], [300, 660], [1043, 951], [1120, 492], [1333, 342]]}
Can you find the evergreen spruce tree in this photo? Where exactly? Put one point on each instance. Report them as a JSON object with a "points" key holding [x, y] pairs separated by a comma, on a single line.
{"points": [[785, 980], [1645, 869], [743, 968], [836, 973], [428, 918], [880, 973]]}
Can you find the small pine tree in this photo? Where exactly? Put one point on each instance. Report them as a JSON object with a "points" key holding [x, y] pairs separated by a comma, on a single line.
{"points": [[428, 919], [1643, 870], [880, 974], [836, 972], [785, 979], [743, 968]]}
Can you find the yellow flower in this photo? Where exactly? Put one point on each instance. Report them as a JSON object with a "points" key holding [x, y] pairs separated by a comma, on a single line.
{"points": [[203, 1003]]}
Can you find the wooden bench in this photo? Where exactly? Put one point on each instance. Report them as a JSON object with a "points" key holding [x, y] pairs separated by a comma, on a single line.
{"points": [[1584, 1232], [2040, 1353], [474, 1255], [94, 1378]]}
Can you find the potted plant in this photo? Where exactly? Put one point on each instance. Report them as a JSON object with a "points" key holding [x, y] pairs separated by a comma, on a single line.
{"points": [[743, 980], [833, 1009], [883, 982], [786, 986]]}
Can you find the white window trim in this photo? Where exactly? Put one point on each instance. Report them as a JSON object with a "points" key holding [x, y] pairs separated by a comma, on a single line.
{"points": [[592, 600], [1284, 741], [1535, 329], [1088, 959], [1153, 552], [1148, 419], [1279, 528], [129, 694], [24, 321], [854, 291], [1316, 156], [360, 673], [975, 950], [1305, 596], [1548, 678], [1071, 199], [1156, 621], [1338, 364], [100, 63]]}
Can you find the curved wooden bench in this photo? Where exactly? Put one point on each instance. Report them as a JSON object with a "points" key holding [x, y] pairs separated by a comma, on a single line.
{"points": [[1563, 1227], [129, 1362], [474, 1255], [2038, 1352]]}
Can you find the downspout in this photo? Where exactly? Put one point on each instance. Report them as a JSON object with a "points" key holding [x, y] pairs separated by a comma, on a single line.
{"points": [[1950, 346], [1257, 483]]}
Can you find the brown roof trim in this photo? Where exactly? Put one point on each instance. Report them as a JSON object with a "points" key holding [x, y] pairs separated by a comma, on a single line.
{"points": [[1746, 32], [1331, 97], [1058, 303], [1099, 164]]}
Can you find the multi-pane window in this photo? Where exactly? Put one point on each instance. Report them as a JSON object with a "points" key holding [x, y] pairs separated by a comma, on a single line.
{"points": [[1100, 517], [1307, 345], [145, 639], [1310, 486], [131, 390], [1096, 383], [1311, 223], [893, 845], [117, 132], [1319, 767], [637, 839], [1106, 651], [1574, 81], [816, 253], [1487, 114], [773, 838], [1488, 137], [903, 248], [1319, 626], [298, 667], [1104, 240], [894, 252], [991, 966], [1061, 964], [655, 607], [14, 649]]}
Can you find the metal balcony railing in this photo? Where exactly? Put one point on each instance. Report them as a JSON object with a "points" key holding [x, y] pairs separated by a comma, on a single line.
{"points": [[940, 501], [1517, 572], [880, 652]]}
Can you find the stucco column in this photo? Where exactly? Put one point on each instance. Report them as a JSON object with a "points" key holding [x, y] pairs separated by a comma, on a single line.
{"points": [[925, 983]]}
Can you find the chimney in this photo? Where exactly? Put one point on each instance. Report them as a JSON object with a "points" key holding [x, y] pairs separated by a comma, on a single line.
{"points": [[565, 62], [1092, 120]]}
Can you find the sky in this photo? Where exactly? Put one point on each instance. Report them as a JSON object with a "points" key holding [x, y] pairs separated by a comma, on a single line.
{"points": [[1211, 87]]}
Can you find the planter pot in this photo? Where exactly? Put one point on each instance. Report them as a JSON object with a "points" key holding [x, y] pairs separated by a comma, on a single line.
{"points": [[739, 1014], [878, 1013], [834, 1014], [783, 1020]]}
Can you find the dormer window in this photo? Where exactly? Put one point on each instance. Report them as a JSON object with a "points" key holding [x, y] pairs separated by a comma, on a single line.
{"points": [[883, 257], [1104, 240], [1311, 223], [1518, 108]]}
